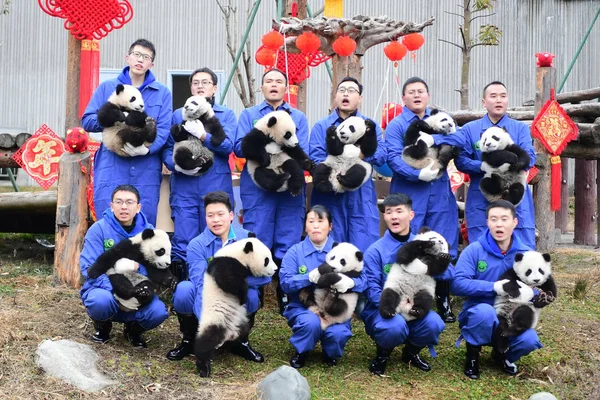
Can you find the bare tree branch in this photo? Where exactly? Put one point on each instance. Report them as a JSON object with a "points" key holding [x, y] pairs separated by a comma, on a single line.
{"points": [[454, 44], [458, 15], [482, 16]]}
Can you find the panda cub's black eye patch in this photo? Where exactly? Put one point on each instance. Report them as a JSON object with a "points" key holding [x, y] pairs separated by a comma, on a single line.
{"points": [[343, 262], [266, 261], [528, 272], [132, 99], [287, 135], [332, 258], [496, 138], [160, 252], [541, 271], [194, 103], [352, 129]]}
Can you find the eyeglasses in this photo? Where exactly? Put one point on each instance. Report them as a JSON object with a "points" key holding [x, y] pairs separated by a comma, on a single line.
{"points": [[137, 54], [349, 90], [202, 83], [413, 92], [120, 202]]}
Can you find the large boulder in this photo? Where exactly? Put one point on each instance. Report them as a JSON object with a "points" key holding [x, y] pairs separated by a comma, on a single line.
{"points": [[285, 383], [542, 396]]}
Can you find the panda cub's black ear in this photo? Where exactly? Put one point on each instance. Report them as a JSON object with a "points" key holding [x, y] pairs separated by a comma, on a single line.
{"points": [[424, 229], [272, 121], [547, 257], [359, 256], [119, 88], [334, 244], [147, 234], [251, 234], [519, 257], [249, 247], [434, 111]]}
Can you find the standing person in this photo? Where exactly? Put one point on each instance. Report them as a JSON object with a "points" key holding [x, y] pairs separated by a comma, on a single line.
{"points": [[187, 190], [355, 215], [275, 217], [434, 203], [122, 220], [391, 332], [143, 168], [297, 264], [495, 101], [478, 269], [187, 298]]}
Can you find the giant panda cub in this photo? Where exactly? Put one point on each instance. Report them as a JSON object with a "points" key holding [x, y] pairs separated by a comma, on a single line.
{"points": [[419, 151], [343, 170], [152, 249], [124, 120], [343, 262], [505, 165], [189, 152], [223, 316], [409, 289], [275, 160], [515, 310]]}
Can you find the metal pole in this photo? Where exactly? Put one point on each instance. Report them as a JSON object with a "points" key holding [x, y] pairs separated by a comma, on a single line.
{"points": [[240, 49], [12, 179], [327, 63], [279, 9]]}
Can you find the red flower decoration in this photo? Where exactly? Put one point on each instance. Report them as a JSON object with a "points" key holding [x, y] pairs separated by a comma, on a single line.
{"points": [[344, 46]]}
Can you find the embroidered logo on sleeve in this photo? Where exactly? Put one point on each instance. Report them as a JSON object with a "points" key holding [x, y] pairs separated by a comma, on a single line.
{"points": [[387, 268], [209, 259], [254, 122], [302, 269], [108, 243], [476, 146], [481, 266]]}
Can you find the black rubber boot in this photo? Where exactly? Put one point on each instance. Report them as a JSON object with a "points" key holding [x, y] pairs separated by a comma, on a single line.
{"points": [[188, 325], [282, 298], [472, 361], [380, 361], [507, 366], [242, 348], [179, 268], [442, 297], [299, 360], [133, 333], [329, 361], [103, 329], [410, 355]]}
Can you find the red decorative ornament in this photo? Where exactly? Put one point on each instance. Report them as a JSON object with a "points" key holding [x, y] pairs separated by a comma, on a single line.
{"points": [[77, 140], [395, 51], [544, 59], [389, 112], [344, 46], [265, 56], [308, 43], [272, 40], [554, 129], [413, 41]]}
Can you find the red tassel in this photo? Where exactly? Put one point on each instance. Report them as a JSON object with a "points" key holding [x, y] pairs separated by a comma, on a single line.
{"points": [[555, 189]]}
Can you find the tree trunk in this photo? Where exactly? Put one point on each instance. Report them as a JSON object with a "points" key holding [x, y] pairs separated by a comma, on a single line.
{"points": [[343, 67], [73, 73], [562, 215], [597, 203], [585, 204], [466, 54]]}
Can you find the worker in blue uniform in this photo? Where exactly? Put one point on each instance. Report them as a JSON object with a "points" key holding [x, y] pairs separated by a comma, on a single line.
{"points": [[434, 203], [143, 168], [495, 101], [187, 190], [121, 221], [479, 267], [391, 332], [187, 298], [297, 264], [355, 215]]}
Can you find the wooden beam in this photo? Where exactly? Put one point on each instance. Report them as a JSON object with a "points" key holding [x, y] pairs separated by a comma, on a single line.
{"points": [[39, 202], [581, 151], [579, 95], [7, 141]]}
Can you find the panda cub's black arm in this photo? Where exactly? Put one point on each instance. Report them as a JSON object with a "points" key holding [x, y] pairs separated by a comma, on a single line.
{"points": [[422, 304], [413, 132], [109, 258], [333, 144], [368, 143], [254, 147], [163, 277], [547, 295], [328, 279], [179, 133], [550, 287], [136, 119], [411, 250], [301, 157], [388, 303], [440, 265], [213, 126], [523, 159], [498, 158], [109, 114], [511, 287]]}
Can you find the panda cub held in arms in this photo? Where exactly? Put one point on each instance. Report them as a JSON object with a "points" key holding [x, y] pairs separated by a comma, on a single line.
{"points": [[419, 151], [276, 162], [152, 249], [409, 289], [332, 300], [124, 120], [513, 305], [505, 165], [189, 152], [224, 295], [343, 170]]}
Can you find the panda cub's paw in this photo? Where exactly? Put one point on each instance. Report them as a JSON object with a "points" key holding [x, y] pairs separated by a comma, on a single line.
{"points": [[143, 291]]}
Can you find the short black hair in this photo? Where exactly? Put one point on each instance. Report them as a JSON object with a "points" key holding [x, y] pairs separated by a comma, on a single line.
{"points": [[126, 188], [321, 211], [144, 43], [218, 197], [206, 70], [414, 79], [394, 200], [262, 81], [507, 205], [490, 84], [351, 79]]}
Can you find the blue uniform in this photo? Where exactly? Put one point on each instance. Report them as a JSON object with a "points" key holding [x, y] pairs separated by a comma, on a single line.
{"points": [[96, 294], [354, 214], [300, 259], [187, 298], [143, 172], [187, 192], [469, 162], [434, 203], [276, 217], [391, 332], [479, 266]]}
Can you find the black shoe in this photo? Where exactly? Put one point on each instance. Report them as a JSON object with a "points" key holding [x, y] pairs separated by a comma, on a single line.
{"points": [[442, 296], [410, 355], [103, 329], [379, 363], [507, 366], [472, 361], [244, 350], [331, 362], [299, 360], [188, 325], [133, 333]]}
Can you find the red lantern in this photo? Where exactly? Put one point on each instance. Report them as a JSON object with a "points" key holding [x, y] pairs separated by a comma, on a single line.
{"points": [[395, 51], [265, 56], [272, 40], [413, 41], [344, 46], [308, 43]]}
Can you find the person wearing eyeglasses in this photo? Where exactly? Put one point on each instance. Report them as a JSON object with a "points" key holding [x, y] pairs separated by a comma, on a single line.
{"points": [[355, 214], [122, 220], [187, 190], [144, 166], [434, 203]]}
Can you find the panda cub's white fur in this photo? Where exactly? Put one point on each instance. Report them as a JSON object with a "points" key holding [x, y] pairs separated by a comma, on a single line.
{"points": [[128, 268]]}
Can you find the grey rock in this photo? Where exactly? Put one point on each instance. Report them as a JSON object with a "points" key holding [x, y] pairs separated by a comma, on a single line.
{"points": [[542, 396], [285, 383], [72, 362]]}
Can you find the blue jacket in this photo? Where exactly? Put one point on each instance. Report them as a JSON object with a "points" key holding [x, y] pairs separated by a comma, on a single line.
{"points": [[480, 265], [200, 252], [105, 233]]}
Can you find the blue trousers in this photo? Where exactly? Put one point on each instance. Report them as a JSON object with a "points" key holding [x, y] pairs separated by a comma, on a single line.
{"points": [[189, 222], [101, 305], [479, 322]]}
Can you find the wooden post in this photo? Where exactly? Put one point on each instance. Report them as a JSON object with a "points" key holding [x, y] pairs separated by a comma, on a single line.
{"points": [[302, 14], [343, 67], [544, 216], [598, 202], [585, 194], [73, 66], [562, 215], [71, 216]]}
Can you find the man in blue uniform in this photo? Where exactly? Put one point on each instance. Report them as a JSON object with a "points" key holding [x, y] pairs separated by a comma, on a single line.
{"points": [[434, 203], [355, 216], [187, 298], [495, 101], [187, 190], [477, 272], [121, 221], [144, 166], [391, 332]]}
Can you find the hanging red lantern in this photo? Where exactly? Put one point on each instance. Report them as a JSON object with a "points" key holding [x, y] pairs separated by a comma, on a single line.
{"points": [[344, 46], [272, 40], [308, 43], [413, 41], [395, 51], [265, 56]]}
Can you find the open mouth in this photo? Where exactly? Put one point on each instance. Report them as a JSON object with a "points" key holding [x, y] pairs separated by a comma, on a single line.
{"points": [[345, 102], [273, 91]]}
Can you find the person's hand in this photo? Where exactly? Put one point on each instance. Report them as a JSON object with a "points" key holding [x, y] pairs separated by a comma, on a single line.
{"points": [[343, 285], [314, 275], [190, 172], [498, 287], [427, 174], [195, 128], [132, 151]]}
